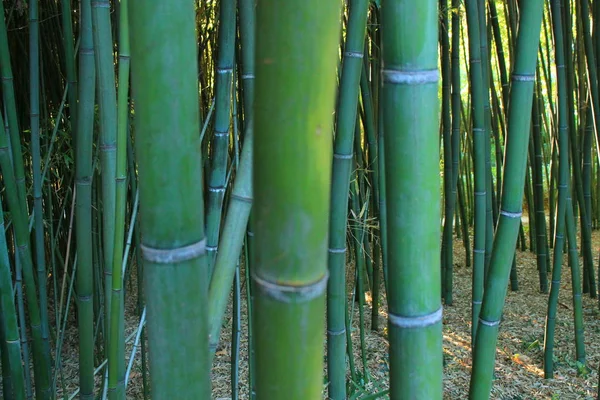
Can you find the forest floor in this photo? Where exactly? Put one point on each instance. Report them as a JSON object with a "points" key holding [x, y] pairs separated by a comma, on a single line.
{"points": [[519, 355]]}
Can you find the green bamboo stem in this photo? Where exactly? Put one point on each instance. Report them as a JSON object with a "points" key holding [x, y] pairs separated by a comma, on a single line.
{"points": [[575, 282], [240, 204], [519, 120], [455, 138], [290, 258], [232, 239], [8, 93], [538, 192], [40, 255], [173, 238], [410, 78], [71, 69], [220, 142], [107, 109], [478, 116], [116, 351], [347, 101], [40, 355], [12, 366], [83, 220], [446, 255]]}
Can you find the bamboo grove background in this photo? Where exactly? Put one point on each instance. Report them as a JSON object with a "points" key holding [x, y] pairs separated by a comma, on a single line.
{"points": [[198, 155]]}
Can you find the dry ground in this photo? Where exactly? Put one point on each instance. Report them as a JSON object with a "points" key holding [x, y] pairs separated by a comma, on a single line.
{"points": [[518, 373]]}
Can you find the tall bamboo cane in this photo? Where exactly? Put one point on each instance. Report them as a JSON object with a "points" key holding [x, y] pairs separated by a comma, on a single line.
{"points": [[411, 123], [292, 192], [164, 73]]}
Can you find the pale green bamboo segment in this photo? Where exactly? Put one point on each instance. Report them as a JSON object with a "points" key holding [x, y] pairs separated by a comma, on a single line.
{"points": [[107, 111], [292, 192], [515, 163], [234, 231], [411, 128], [164, 70], [116, 351]]}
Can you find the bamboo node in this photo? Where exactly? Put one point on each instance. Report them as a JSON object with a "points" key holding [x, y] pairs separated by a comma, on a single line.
{"points": [[336, 333], [176, 255], [416, 322], [353, 54], [292, 294], [248, 76], [523, 77], [410, 77], [511, 215], [342, 156], [342, 250], [489, 323]]}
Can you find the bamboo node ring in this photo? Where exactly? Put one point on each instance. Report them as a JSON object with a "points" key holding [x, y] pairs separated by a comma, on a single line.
{"points": [[342, 156], [489, 323], [511, 215], [292, 294], [416, 322], [410, 77], [353, 54], [523, 77], [176, 255]]}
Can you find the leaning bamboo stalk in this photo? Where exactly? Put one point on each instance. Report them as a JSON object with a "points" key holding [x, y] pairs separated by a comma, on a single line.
{"points": [[509, 221], [352, 64]]}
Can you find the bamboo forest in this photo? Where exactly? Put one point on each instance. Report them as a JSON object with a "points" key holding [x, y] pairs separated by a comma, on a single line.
{"points": [[300, 199]]}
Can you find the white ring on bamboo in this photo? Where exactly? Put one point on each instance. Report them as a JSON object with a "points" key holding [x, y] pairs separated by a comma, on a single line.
{"points": [[416, 322], [176, 255], [353, 54], [488, 323], [248, 76], [342, 250], [410, 77], [342, 156], [523, 78], [292, 294], [224, 70], [509, 214]]}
